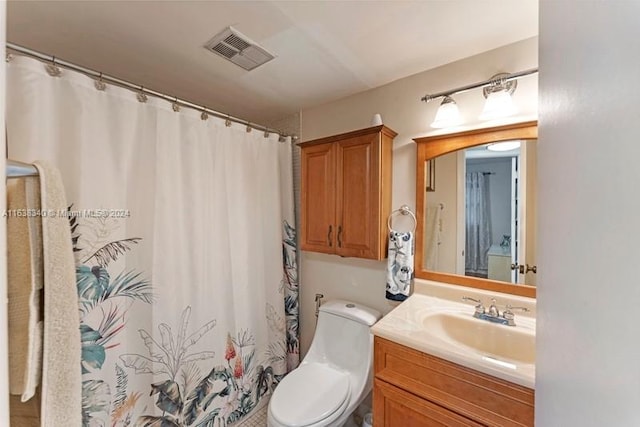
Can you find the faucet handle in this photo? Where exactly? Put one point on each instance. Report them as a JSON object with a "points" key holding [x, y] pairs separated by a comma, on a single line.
{"points": [[508, 313], [479, 305], [509, 307]]}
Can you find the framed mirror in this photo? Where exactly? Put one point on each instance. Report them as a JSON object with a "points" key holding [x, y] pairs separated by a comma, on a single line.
{"points": [[477, 227]]}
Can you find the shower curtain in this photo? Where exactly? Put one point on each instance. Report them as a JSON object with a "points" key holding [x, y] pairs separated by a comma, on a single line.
{"points": [[183, 233], [478, 224]]}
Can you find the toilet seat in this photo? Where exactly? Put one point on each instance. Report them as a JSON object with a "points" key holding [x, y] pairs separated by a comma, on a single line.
{"points": [[311, 394]]}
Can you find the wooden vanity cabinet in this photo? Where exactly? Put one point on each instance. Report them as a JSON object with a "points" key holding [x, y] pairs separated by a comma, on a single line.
{"points": [[346, 193], [415, 389]]}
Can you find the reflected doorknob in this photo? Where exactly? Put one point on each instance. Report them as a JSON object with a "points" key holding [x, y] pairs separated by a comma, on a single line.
{"points": [[533, 268], [520, 268]]}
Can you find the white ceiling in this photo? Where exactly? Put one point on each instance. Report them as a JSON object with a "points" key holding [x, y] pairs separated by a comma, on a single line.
{"points": [[325, 50]]}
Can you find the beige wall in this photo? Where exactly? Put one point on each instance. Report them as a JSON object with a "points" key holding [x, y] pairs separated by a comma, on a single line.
{"points": [[401, 109]]}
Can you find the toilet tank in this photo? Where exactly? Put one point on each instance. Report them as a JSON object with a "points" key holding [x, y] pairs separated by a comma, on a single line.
{"points": [[342, 336]]}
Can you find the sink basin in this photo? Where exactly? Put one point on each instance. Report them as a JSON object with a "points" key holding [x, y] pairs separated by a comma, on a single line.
{"points": [[496, 341], [446, 328]]}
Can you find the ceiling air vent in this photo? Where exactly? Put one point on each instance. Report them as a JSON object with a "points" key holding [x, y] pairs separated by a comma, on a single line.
{"points": [[239, 49]]}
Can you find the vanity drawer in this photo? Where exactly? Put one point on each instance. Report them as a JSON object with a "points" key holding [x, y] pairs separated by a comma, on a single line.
{"points": [[480, 397], [394, 407]]}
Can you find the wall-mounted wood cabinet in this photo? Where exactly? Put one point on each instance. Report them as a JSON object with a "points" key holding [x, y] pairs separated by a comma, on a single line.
{"points": [[346, 193], [416, 389]]}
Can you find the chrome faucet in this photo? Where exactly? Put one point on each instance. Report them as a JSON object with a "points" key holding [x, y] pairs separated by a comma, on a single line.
{"points": [[493, 314], [493, 310]]}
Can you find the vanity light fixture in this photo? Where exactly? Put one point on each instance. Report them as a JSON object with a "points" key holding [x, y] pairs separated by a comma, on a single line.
{"points": [[447, 115], [498, 95], [498, 104], [497, 90]]}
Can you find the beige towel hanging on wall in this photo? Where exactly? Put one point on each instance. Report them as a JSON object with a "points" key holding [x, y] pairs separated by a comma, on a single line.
{"points": [[61, 372], [24, 264]]}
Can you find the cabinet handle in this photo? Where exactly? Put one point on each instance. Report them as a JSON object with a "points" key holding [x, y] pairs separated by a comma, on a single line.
{"points": [[329, 235], [339, 236]]}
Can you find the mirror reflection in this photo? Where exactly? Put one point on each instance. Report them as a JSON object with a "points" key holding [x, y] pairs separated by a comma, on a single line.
{"points": [[480, 217], [441, 237]]}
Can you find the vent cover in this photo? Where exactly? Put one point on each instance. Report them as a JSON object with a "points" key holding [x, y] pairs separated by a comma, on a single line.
{"points": [[239, 49]]}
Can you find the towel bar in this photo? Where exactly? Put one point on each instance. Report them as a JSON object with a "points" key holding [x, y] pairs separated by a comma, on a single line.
{"points": [[17, 169]]}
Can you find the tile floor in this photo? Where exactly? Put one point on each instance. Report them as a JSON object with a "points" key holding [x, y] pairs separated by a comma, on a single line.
{"points": [[257, 419]]}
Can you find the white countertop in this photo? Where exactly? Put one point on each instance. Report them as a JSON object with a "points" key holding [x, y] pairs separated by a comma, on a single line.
{"points": [[405, 325]]}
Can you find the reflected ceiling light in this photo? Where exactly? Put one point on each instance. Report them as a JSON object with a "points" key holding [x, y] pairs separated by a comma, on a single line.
{"points": [[447, 114], [497, 90], [504, 146], [498, 95]]}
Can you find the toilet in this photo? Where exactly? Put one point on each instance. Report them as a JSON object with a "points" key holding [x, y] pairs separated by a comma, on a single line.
{"points": [[336, 374]]}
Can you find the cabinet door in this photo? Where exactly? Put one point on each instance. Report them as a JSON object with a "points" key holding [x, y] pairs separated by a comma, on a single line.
{"points": [[471, 394], [394, 407], [358, 197], [318, 198]]}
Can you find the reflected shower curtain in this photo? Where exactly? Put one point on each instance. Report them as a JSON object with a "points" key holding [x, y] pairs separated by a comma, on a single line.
{"points": [[478, 224], [184, 237]]}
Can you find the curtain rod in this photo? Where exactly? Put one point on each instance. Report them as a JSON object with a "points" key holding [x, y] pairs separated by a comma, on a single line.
{"points": [[488, 82], [139, 88]]}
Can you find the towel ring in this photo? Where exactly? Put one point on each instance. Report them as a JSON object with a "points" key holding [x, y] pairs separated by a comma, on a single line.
{"points": [[403, 210]]}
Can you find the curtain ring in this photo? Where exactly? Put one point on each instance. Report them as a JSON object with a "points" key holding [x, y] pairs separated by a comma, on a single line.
{"points": [[9, 57], [266, 133], [175, 106], [99, 84], [204, 115], [141, 96], [52, 69], [249, 128], [227, 122]]}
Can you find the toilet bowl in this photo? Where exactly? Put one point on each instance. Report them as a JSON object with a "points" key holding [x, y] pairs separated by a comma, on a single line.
{"points": [[335, 376]]}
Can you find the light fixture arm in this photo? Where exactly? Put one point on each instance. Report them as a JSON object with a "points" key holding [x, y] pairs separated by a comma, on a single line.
{"points": [[489, 82]]}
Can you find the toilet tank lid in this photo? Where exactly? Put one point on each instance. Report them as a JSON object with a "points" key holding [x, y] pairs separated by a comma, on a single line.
{"points": [[351, 310]]}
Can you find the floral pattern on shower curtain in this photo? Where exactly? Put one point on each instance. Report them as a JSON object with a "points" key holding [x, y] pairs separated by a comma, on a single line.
{"points": [[185, 250]]}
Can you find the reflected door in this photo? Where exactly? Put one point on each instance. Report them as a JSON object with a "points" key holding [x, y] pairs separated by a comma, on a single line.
{"points": [[527, 213]]}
